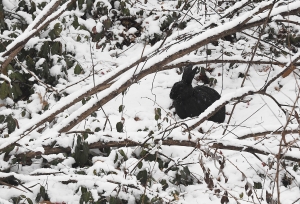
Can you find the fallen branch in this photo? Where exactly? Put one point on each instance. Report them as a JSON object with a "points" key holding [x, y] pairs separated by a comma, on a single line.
{"points": [[264, 133], [219, 61], [169, 142]]}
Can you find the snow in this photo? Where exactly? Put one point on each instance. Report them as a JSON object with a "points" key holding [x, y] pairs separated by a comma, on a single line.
{"points": [[2, 76], [10, 5]]}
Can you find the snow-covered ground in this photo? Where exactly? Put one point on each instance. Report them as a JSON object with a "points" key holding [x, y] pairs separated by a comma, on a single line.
{"points": [[246, 171]]}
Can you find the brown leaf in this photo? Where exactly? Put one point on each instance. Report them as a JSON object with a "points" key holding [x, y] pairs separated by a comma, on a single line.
{"points": [[268, 197], [224, 198], [246, 186], [206, 178], [265, 68], [136, 118], [200, 130], [217, 191], [249, 192], [222, 163], [297, 117], [209, 69], [202, 78], [175, 196], [17, 123], [210, 184], [94, 30], [98, 46], [198, 145]]}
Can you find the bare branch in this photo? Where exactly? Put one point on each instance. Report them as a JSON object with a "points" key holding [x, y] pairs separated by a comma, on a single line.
{"points": [[169, 142]]}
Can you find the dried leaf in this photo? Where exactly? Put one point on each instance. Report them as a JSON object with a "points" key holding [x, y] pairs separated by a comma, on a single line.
{"points": [[249, 192], [224, 198], [268, 197], [246, 186], [94, 29], [297, 117]]}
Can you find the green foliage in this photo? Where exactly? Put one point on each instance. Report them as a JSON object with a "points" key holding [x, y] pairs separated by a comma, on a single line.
{"points": [[123, 8], [80, 4], [295, 167], [183, 177], [121, 108], [212, 81], [42, 195], [140, 165], [84, 100], [86, 196], [37, 59], [123, 154], [26, 7], [21, 199], [115, 200], [81, 152], [144, 199], [77, 69], [286, 180], [4, 90], [147, 157], [16, 91], [164, 184], [107, 24], [257, 185], [120, 156], [45, 50], [208, 52], [142, 176], [116, 158], [171, 19], [101, 9], [2, 118], [157, 114], [11, 122], [119, 127], [55, 32]]}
